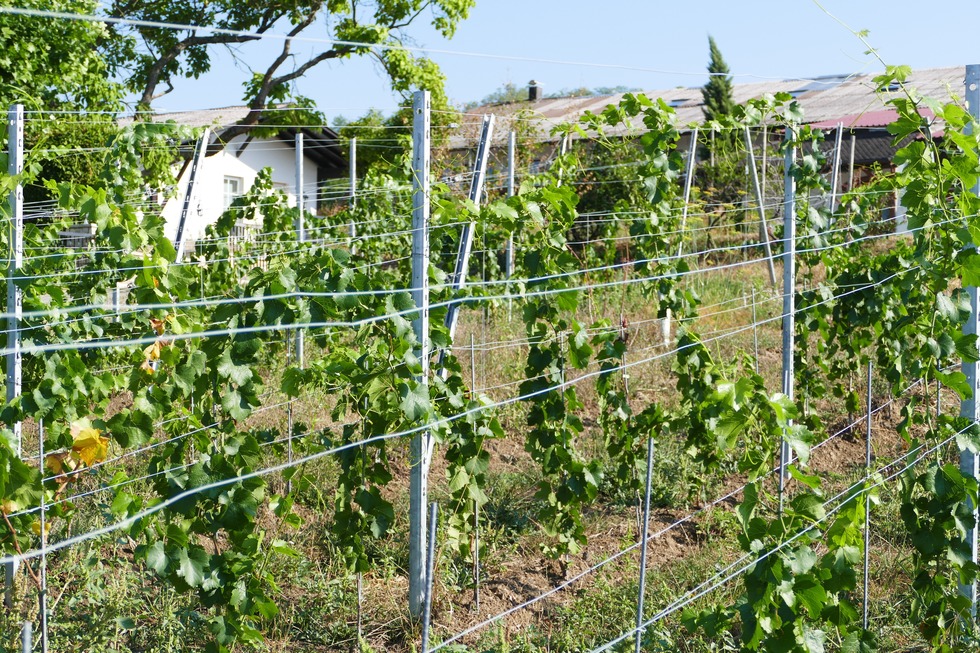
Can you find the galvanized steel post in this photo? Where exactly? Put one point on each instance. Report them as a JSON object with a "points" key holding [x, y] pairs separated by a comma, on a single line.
{"points": [[200, 152], [562, 150], [418, 499], [511, 156], [688, 181], [15, 153], [643, 548], [353, 190], [300, 199], [301, 237], [789, 298], [969, 462], [835, 173], [867, 500], [461, 270], [429, 573], [15, 166], [760, 200]]}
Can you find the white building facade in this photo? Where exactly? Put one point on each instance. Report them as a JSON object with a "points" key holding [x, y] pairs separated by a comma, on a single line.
{"points": [[230, 172]]}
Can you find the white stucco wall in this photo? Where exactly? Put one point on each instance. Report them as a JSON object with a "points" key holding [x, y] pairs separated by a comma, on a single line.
{"points": [[208, 201]]}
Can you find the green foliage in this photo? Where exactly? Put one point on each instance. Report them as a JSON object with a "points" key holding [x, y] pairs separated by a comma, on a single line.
{"points": [[151, 59], [507, 93], [189, 400], [55, 66], [717, 91]]}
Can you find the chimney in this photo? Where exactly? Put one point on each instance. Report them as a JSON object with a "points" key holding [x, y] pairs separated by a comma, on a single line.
{"points": [[533, 91]]}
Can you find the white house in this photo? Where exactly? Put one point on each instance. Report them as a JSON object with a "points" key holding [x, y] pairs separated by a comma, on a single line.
{"points": [[230, 171]]}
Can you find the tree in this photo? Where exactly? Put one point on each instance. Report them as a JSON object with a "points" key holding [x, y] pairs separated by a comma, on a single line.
{"points": [[717, 92], [55, 66], [152, 59], [721, 178], [505, 94], [372, 128]]}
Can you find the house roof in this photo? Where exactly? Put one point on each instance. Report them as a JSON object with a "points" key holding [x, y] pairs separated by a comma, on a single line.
{"points": [[825, 100], [321, 144], [878, 120]]}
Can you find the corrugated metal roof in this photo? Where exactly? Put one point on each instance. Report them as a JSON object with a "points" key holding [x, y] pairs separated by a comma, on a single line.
{"points": [[868, 120], [217, 117], [828, 100]]}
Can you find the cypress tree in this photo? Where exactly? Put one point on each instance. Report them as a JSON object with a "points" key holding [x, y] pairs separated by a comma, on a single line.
{"points": [[717, 93]]}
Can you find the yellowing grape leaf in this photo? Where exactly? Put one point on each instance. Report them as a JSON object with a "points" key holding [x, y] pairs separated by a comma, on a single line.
{"points": [[36, 527], [58, 464], [159, 324], [88, 445], [151, 354]]}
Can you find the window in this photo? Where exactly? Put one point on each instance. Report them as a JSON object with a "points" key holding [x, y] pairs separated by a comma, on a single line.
{"points": [[233, 188]]}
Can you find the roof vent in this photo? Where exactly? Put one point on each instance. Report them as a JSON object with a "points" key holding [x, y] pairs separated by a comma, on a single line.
{"points": [[533, 91]]}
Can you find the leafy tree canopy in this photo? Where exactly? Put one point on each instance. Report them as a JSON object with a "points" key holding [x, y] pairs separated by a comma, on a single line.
{"points": [[55, 66], [152, 60]]}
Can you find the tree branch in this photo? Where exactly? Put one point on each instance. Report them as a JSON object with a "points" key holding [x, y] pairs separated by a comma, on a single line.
{"points": [[157, 70], [13, 534], [268, 80], [411, 18]]}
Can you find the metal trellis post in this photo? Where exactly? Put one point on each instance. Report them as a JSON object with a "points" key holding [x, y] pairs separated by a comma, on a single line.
{"points": [[511, 156], [469, 230], [867, 501], [200, 151], [15, 153], [688, 181], [765, 159], [15, 147], [835, 172], [763, 224], [970, 462], [562, 150], [300, 199], [421, 446], [43, 570], [353, 190], [755, 332], [301, 237], [643, 548], [430, 566], [789, 299]]}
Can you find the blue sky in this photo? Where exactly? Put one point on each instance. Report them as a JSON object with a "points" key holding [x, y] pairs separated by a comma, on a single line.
{"points": [[760, 39]]}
